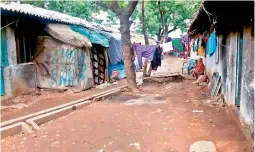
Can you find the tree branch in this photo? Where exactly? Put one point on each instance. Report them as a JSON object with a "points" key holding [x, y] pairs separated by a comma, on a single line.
{"points": [[174, 28], [131, 7], [113, 6]]}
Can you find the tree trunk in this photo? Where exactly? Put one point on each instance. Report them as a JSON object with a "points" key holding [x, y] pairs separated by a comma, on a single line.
{"points": [[146, 39], [159, 34], [128, 52], [162, 20]]}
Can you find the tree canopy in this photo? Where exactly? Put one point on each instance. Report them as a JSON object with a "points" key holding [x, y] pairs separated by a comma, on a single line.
{"points": [[81, 9], [175, 15], [175, 12]]}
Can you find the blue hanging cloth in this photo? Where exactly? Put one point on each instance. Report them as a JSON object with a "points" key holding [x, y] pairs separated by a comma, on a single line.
{"points": [[211, 45]]}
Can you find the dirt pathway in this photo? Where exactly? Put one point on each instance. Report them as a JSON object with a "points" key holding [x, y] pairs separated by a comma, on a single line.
{"points": [[161, 118], [41, 100], [38, 101], [127, 123]]}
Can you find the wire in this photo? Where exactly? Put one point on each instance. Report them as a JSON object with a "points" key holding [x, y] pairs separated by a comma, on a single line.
{"points": [[9, 24], [207, 13]]}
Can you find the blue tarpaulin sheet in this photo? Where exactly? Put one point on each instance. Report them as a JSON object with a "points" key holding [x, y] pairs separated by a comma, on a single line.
{"points": [[115, 50], [93, 36], [119, 68]]}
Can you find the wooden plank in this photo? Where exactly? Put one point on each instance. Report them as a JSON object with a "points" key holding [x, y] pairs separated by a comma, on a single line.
{"points": [[215, 85], [217, 89], [24, 118], [106, 65]]}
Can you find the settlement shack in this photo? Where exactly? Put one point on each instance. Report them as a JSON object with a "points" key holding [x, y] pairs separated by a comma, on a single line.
{"points": [[36, 53], [229, 53], [62, 51]]}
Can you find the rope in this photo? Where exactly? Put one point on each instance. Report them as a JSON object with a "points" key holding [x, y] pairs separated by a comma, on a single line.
{"points": [[8, 24], [208, 13]]}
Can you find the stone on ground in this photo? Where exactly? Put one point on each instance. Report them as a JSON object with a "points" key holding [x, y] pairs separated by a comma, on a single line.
{"points": [[202, 146]]}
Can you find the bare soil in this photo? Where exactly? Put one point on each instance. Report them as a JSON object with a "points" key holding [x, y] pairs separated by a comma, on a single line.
{"points": [[43, 99], [118, 127], [186, 116]]}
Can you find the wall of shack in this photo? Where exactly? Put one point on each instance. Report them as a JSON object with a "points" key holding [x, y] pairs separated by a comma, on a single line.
{"points": [[18, 78], [247, 90], [226, 67]]}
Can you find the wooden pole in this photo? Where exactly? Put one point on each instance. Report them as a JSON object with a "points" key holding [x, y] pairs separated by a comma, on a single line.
{"points": [[106, 65]]}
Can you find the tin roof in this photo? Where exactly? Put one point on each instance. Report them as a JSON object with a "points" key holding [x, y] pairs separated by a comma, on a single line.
{"points": [[43, 13], [26, 9], [223, 16]]}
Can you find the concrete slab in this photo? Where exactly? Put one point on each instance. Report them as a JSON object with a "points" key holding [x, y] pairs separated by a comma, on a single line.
{"points": [[24, 118], [15, 129], [41, 119]]}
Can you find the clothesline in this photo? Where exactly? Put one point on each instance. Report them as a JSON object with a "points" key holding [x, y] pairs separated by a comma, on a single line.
{"points": [[9, 24], [208, 13]]}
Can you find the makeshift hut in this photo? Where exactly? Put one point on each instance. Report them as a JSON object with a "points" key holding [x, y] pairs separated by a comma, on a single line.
{"points": [[229, 52], [63, 60], [115, 55], [99, 56], [22, 26]]}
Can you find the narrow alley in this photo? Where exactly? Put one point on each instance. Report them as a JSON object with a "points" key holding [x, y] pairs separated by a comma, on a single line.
{"points": [[127, 76], [166, 116]]}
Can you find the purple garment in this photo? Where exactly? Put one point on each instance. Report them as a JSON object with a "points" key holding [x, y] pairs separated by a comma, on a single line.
{"points": [[185, 39], [169, 39], [146, 51]]}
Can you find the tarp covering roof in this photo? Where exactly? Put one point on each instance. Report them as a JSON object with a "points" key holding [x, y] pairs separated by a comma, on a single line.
{"points": [[114, 51], [95, 37], [65, 34], [62, 66]]}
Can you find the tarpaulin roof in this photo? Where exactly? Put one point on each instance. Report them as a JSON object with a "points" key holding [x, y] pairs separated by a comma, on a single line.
{"points": [[65, 34], [114, 51], [95, 37]]}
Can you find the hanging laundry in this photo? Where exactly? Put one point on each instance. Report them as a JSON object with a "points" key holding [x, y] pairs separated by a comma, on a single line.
{"points": [[184, 39], [191, 45], [177, 44], [188, 47], [169, 39], [203, 37], [200, 41], [156, 59], [201, 51], [146, 51], [167, 46], [211, 44], [195, 45]]}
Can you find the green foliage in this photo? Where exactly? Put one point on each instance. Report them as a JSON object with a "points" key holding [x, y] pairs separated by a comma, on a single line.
{"points": [[81, 9], [123, 4], [175, 14]]}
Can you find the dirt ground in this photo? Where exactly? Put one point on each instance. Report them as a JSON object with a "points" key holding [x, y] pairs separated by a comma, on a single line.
{"points": [[171, 125], [40, 100], [163, 117]]}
